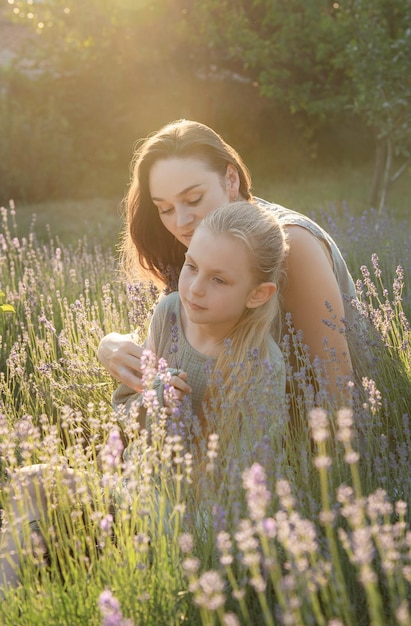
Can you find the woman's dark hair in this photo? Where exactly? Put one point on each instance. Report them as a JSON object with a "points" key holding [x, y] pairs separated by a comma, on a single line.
{"points": [[159, 253]]}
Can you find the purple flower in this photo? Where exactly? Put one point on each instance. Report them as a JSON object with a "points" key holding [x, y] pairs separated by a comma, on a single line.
{"points": [[174, 334], [186, 542], [111, 453], [110, 609], [209, 591], [106, 522], [258, 496]]}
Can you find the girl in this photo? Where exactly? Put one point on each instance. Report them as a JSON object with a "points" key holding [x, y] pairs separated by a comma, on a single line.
{"points": [[181, 173], [228, 293]]}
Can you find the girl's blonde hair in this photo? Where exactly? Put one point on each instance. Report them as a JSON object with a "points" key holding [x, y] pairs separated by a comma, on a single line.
{"points": [[265, 240]]}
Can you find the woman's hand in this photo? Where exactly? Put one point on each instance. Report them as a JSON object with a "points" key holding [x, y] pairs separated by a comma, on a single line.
{"points": [[121, 356]]}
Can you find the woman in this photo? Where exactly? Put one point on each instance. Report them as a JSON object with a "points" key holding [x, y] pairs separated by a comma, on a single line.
{"points": [[182, 172]]}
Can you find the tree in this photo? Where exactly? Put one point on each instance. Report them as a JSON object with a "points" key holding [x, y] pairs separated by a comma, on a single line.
{"points": [[378, 64], [80, 89], [321, 59], [103, 63]]}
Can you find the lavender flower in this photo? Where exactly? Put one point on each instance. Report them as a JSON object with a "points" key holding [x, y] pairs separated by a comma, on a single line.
{"points": [[106, 523], [186, 542], [110, 609], [374, 395], [258, 496], [224, 546], [111, 452], [319, 425], [208, 590]]}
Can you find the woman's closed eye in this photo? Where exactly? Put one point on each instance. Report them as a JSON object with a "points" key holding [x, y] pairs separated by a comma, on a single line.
{"points": [[165, 211], [195, 201], [189, 202]]}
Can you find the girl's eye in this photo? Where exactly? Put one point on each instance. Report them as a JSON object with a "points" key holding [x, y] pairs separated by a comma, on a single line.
{"points": [[190, 266], [219, 281]]}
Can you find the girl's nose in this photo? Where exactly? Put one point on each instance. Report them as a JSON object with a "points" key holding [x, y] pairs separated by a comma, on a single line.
{"points": [[196, 286]]}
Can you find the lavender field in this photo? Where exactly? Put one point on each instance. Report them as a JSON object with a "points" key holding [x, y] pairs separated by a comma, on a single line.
{"points": [[307, 527]]}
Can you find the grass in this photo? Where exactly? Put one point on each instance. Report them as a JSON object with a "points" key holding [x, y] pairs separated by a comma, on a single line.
{"points": [[306, 529], [342, 190], [314, 187], [97, 219]]}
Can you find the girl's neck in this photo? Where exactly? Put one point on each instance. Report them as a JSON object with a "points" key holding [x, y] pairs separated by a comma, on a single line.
{"points": [[206, 339]]}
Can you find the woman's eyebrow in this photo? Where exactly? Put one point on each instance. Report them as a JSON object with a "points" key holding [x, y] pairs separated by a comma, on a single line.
{"points": [[180, 193]]}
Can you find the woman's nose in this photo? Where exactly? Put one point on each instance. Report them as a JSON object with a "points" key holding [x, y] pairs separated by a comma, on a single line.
{"points": [[183, 216]]}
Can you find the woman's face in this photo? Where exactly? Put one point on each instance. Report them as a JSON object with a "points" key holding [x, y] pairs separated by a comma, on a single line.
{"points": [[184, 190]]}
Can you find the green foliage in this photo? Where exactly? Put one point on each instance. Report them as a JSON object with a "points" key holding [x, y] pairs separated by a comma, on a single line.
{"points": [[378, 66], [378, 63], [94, 77], [74, 97], [290, 48], [37, 166], [322, 59]]}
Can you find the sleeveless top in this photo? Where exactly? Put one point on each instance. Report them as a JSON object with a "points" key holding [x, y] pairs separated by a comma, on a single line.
{"points": [[356, 325]]}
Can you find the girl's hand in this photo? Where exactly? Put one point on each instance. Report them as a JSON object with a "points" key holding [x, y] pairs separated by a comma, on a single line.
{"points": [[121, 356], [181, 389]]}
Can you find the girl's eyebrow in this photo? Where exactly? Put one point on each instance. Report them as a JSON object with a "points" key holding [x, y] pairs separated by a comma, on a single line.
{"points": [[180, 193], [222, 272]]}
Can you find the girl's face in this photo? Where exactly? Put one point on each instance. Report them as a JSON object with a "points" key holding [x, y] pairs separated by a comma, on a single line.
{"points": [[216, 283], [185, 190]]}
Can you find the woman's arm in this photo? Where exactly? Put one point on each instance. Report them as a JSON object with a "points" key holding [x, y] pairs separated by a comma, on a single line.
{"points": [[310, 284], [121, 356]]}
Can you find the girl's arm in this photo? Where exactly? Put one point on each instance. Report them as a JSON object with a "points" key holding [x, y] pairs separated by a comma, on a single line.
{"points": [[310, 284]]}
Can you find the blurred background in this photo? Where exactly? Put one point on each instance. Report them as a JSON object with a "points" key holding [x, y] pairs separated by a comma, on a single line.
{"points": [[314, 95]]}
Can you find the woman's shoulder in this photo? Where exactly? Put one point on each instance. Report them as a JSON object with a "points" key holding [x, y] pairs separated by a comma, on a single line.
{"points": [[304, 234], [290, 217]]}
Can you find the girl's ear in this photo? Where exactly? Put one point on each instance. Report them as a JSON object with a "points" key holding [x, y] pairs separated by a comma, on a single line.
{"points": [[232, 181], [260, 294]]}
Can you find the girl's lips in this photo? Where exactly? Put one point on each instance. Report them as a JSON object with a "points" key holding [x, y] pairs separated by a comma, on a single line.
{"points": [[194, 307]]}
